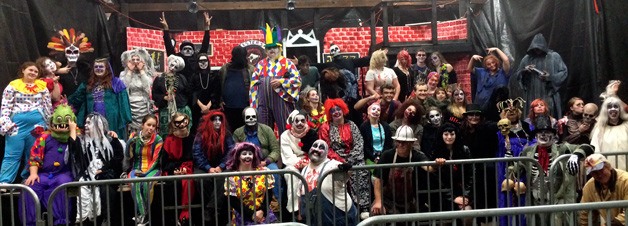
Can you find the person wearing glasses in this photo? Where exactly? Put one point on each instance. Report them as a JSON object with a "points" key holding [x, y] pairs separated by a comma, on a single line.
{"points": [[484, 80], [420, 68]]}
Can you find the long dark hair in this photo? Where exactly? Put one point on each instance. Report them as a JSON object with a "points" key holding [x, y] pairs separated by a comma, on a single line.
{"points": [[440, 148], [238, 58], [400, 112]]}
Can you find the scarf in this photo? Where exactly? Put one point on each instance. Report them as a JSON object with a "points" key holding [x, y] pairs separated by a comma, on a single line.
{"points": [[298, 134]]}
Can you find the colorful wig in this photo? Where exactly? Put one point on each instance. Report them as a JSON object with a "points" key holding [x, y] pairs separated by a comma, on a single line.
{"points": [[233, 164], [403, 54], [212, 141], [330, 103], [534, 103]]}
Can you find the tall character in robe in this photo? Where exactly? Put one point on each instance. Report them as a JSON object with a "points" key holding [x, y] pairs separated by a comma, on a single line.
{"points": [[541, 74], [138, 79]]}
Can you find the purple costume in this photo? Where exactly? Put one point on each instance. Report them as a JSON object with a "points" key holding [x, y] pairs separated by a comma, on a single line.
{"points": [[52, 158]]}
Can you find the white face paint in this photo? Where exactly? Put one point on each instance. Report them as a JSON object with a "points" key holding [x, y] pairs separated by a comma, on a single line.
{"points": [[72, 53], [187, 51], [459, 96], [374, 111], [246, 157], [51, 67], [99, 69], [318, 151], [313, 96], [435, 118], [89, 126], [203, 62], [299, 123], [250, 117], [545, 138], [613, 110], [217, 120]]}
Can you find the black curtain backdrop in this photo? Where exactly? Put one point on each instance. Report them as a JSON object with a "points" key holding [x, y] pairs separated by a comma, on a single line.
{"points": [[591, 44]]}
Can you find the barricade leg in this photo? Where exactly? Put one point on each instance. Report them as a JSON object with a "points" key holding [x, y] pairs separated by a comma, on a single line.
{"points": [[59, 208]]}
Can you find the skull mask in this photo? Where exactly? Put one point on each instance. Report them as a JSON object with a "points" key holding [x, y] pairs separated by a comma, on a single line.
{"points": [[590, 111], [435, 118], [187, 49], [203, 62], [545, 138], [334, 50], [250, 116], [318, 151], [504, 126], [72, 53]]}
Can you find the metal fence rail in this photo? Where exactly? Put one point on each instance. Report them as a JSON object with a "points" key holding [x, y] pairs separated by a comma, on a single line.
{"points": [[8, 204], [434, 216], [438, 195], [164, 181]]}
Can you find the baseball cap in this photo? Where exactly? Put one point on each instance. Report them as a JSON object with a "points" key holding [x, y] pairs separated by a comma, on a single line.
{"points": [[594, 163]]}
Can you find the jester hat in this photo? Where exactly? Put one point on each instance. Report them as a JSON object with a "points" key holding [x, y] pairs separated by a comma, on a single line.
{"points": [[272, 37]]}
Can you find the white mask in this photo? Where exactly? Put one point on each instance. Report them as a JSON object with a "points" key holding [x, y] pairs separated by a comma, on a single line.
{"points": [[203, 62], [435, 118], [72, 53], [318, 151], [250, 117], [187, 51]]}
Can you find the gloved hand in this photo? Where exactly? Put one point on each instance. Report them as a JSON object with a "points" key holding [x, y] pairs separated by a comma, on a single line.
{"points": [[573, 164], [345, 167]]}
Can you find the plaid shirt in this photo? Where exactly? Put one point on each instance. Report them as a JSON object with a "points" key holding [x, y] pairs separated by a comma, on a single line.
{"points": [[282, 69]]}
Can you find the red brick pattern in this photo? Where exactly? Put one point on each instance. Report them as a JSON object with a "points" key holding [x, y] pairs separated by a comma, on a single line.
{"points": [[352, 39]]}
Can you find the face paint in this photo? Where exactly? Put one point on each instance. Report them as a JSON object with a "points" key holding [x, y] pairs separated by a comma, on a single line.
{"points": [[409, 112], [299, 123], [51, 67], [187, 51], [459, 96], [217, 120], [72, 53], [318, 151], [545, 138], [435, 118], [250, 117], [203, 62], [313, 96], [336, 113], [374, 111], [612, 110], [246, 157], [334, 50], [99, 69]]}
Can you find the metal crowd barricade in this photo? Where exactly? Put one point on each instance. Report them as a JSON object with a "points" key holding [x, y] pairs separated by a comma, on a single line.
{"points": [[616, 159], [7, 212], [438, 196], [434, 216], [116, 187]]}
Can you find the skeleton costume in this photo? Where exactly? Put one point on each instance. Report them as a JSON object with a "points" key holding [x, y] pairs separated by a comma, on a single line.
{"points": [[93, 151], [345, 139], [52, 164], [562, 187], [171, 84], [274, 104], [138, 82], [610, 133], [72, 44]]}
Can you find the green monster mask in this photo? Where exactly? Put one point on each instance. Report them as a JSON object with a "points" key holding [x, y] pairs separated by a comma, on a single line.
{"points": [[59, 126]]}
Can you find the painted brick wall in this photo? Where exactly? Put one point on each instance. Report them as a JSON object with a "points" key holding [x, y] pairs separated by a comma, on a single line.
{"points": [[354, 39]]}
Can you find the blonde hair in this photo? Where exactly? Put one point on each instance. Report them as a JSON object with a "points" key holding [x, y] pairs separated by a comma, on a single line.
{"points": [[378, 60]]}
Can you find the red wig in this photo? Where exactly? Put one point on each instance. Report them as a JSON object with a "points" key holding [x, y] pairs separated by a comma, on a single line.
{"points": [[213, 141], [403, 54], [534, 103], [330, 103]]}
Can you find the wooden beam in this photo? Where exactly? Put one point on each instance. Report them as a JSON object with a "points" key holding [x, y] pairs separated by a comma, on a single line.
{"points": [[426, 2], [252, 5]]}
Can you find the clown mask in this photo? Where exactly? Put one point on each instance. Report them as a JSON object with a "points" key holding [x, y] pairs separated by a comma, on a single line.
{"points": [[318, 151], [59, 122], [504, 126], [250, 117]]}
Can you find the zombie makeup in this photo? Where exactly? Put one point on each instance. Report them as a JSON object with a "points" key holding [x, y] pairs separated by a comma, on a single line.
{"points": [[409, 112], [435, 118], [374, 111], [458, 96], [50, 66], [612, 110]]}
